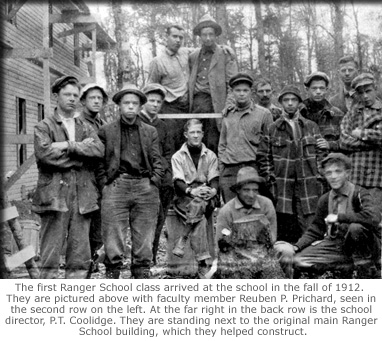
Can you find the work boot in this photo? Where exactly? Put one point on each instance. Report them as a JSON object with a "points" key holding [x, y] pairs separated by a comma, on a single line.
{"points": [[112, 273], [203, 269], [141, 273], [179, 247]]}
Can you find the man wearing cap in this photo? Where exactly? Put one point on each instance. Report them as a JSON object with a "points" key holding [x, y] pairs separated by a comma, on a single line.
{"points": [[211, 69], [131, 174], [155, 94], [263, 95], [93, 98], [361, 136], [196, 181], [347, 70], [317, 109], [243, 126], [344, 230], [246, 230], [288, 159], [66, 194]]}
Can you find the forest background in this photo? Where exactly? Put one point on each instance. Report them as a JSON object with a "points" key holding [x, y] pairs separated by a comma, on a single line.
{"points": [[281, 40]]}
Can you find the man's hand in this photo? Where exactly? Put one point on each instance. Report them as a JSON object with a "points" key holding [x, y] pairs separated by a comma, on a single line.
{"points": [[357, 133], [88, 140], [331, 218], [201, 192], [322, 143], [210, 193], [62, 146]]}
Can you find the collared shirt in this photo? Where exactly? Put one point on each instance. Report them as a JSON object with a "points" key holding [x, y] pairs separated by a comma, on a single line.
{"points": [[70, 125], [95, 122], [366, 151], [348, 95], [293, 122], [241, 133], [183, 167], [204, 62], [234, 211], [171, 70], [339, 200]]}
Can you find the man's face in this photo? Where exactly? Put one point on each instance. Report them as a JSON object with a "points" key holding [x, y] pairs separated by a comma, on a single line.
{"points": [[208, 36], [317, 90], [248, 193], [367, 94], [68, 98], [241, 93], [175, 39], [93, 101], [336, 175], [153, 104], [264, 93], [348, 72], [290, 103], [130, 106], [194, 135]]}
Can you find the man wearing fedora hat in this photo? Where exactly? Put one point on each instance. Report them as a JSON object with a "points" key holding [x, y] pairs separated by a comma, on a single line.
{"points": [[155, 94], [131, 174], [243, 126], [211, 69], [289, 160], [344, 230], [66, 148], [246, 230]]}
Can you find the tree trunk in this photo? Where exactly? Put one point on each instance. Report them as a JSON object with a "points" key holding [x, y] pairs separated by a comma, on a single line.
{"points": [[222, 20], [358, 39], [260, 37]]}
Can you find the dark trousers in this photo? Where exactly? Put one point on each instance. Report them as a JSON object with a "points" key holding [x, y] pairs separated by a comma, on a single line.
{"points": [[202, 103], [129, 202], [95, 234]]}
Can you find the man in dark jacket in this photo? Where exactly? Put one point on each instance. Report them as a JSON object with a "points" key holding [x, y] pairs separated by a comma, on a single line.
{"points": [[155, 94], [131, 175], [66, 194], [345, 228]]}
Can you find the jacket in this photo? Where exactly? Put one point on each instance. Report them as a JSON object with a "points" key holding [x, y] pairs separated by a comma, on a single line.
{"points": [[363, 211], [110, 135], [55, 167], [291, 168]]}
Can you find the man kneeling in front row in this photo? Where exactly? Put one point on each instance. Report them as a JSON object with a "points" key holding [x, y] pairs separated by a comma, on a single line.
{"points": [[344, 230]]}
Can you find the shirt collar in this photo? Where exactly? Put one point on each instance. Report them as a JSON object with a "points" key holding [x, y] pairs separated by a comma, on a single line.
{"points": [[344, 191], [171, 53], [184, 149], [239, 205], [147, 117]]}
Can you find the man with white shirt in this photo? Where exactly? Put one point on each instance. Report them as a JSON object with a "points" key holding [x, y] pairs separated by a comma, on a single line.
{"points": [[66, 194]]}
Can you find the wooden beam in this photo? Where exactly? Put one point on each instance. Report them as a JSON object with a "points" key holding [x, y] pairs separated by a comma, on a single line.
{"points": [[20, 171], [75, 30], [188, 116], [46, 59], [94, 51], [18, 139], [74, 17], [8, 213], [26, 53], [84, 47], [15, 8]]}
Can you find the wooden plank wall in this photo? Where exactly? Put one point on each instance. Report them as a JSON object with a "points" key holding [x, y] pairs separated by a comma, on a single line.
{"points": [[22, 78]]}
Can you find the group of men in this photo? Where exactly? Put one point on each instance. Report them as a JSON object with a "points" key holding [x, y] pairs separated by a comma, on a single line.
{"points": [[280, 170]]}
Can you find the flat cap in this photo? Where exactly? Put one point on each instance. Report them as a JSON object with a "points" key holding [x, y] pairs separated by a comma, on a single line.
{"points": [[290, 89], [91, 86], [362, 80], [207, 21], [59, 83], [318, 75], [129, 89], [338, 157], [239, 78], [154, 87]]}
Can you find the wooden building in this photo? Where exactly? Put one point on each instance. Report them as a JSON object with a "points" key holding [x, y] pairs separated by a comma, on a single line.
{"points": [[40, 41]]}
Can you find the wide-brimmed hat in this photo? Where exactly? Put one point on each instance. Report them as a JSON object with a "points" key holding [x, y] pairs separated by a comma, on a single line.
{"points": [[290, 89], [156, 88], [59, 83], [207, 21], [316, 76], [362, 80], [337, 157], [129, 89], [240, 78], [91, 86], [245, 176]]}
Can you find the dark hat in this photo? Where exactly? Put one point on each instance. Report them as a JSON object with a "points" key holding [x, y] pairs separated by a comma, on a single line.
{"points": [[90, 86], [245, 176], [290, 89], [154, 87], [339, 157], [129, 89], [362, 80], [316, 75], [239, 78], [207, 21], [59, 83]]}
